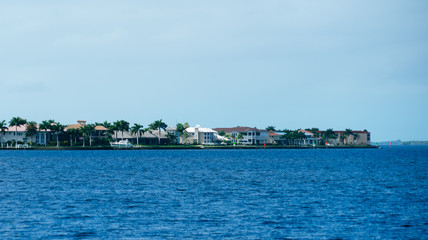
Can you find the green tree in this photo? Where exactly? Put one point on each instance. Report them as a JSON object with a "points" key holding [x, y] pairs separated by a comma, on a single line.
{"points": [[45, 125], [172, 138], [239, 137], [16, 122], [271, 128], [121, 126], [181, 129], [73, 132], [3, 128], [57, 128], [221, 133], [158, 125], [315, 131], [110, 128], [329, 134], [347, 134], [87, 131], [31, 130], [136, 130]]}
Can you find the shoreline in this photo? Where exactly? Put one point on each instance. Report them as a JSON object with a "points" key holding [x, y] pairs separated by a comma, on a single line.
{"points": [[197, 147]]}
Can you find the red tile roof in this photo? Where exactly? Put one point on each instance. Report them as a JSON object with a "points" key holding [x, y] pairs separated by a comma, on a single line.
{"points": [[273, 134]]}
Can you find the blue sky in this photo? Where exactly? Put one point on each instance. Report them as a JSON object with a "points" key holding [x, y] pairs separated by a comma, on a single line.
{"points": [[292, 64]]}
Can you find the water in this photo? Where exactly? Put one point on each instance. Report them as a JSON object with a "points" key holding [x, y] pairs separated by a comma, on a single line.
{"points": [[215, 194]]}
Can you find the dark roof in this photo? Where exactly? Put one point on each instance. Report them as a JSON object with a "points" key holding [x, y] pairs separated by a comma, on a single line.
{"points": [[239, 129], [345, 131]]}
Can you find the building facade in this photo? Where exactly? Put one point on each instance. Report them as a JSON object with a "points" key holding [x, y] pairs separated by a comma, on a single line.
{"points": [[198, 135], [246, 135], [18, 134]]}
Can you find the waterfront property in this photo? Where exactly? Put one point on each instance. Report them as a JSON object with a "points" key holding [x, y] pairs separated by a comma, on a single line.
{"points": [[198, 135], [19, 134], [246, 135], [149, 137], [349, 138], [173, 131], [101, 134], [309, 138], [306, 139], [98, 131]]}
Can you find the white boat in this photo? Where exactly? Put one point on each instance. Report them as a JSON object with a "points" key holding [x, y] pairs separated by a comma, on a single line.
{"points": [[121, 144]]}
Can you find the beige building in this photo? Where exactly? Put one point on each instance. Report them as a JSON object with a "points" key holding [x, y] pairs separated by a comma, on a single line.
{"points": [[357, 138]]}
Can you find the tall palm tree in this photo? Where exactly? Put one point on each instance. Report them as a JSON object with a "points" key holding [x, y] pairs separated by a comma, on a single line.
{"points": [[31, 130], [3, 128], [57, 129], [45, 125], [158, 125], [136, 130], [16, 122], [121, 126], [124, 126]]}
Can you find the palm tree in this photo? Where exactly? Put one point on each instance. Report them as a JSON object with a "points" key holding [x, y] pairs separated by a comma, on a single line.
{"points": [[45, 125], [110, 128], [270, 128], [120, 125], [315, 131], [57, 128], [31, 130], [239, 137], [3, 128], [124, 126], [158, 124], [87, 131], [73, 132], [17, 121], [136, 130], [348, 132], [329, 134], [182, 134], [172, 138]]}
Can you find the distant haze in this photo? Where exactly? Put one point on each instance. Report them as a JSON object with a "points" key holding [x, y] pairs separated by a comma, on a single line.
{"points": [[291, 64]]}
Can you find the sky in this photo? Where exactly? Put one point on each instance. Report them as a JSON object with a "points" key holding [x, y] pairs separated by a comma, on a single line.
{"points": [[358, 64]]}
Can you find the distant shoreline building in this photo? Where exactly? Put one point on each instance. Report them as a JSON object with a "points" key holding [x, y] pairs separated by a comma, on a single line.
{"points": [[250, 136]]}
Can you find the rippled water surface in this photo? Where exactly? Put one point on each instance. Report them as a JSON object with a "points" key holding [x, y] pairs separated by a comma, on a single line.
{"points": [[215, 194]]}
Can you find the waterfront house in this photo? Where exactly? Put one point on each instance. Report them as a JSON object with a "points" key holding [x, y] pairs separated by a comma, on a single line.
{"points": [[249, 135], [356, 138], [149, 137], [310, 139], [18, 134], [173, 130], [198, 135], [275, 138], [99, 131]]}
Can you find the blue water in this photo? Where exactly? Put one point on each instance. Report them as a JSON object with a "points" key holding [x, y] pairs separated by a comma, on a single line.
{"points": [[215, 194]]}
